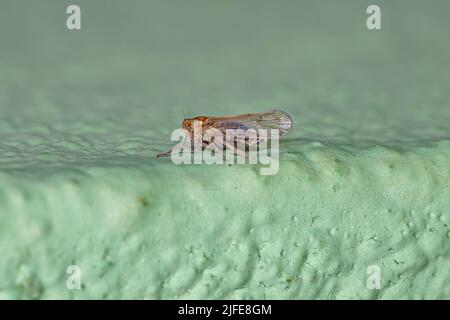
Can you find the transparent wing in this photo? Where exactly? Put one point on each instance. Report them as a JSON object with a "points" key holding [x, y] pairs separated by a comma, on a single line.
{"points": [[275, 119]]}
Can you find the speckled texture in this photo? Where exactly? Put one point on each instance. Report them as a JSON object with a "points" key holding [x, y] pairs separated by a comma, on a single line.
{"points": [[364, 179]]}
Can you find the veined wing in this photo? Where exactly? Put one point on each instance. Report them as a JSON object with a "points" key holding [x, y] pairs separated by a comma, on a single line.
{"points": [[275, 119]]}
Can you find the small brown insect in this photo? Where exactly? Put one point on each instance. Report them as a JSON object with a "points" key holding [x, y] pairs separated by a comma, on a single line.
{"points": [[275, 119]]}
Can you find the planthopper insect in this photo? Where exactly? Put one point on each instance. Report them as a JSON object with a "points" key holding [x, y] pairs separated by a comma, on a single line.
{"points": [[245, 130]]}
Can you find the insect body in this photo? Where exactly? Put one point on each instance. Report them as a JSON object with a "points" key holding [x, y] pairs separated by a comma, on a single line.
{"points": [[244, 127]]}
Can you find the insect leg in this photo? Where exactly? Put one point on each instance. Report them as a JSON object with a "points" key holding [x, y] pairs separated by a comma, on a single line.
{"points": [[164, 154]]}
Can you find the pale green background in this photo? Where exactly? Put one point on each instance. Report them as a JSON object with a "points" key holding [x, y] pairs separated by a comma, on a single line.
{"points": [[364, 177]]}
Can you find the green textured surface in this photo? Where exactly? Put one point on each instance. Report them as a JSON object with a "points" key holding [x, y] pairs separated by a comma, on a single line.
{"points": [[364, 180]]}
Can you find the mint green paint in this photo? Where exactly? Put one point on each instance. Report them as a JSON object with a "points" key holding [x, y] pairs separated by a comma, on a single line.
{"points": [[364, 179]]}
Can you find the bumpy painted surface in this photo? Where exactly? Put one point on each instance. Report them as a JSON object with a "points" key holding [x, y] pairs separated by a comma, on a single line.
{"points": [[364, 180]]}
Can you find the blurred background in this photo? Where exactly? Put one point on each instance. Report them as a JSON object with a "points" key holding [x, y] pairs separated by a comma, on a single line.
{"points": [[137, 68]]}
